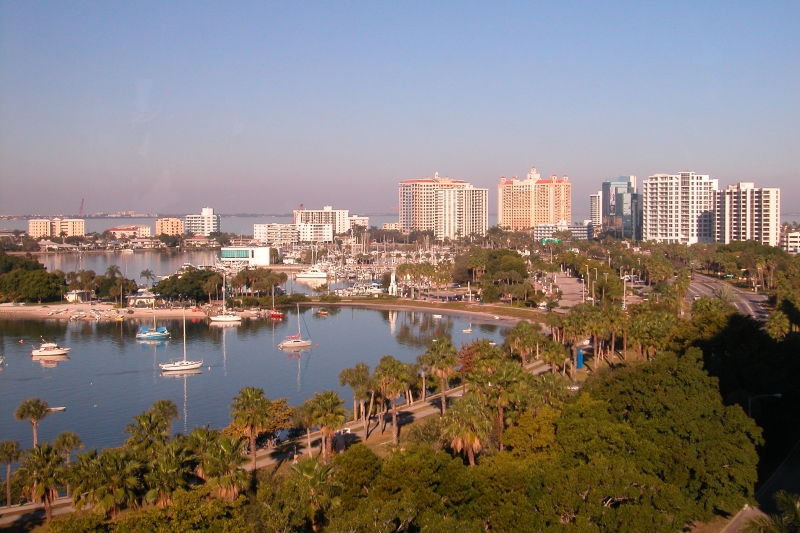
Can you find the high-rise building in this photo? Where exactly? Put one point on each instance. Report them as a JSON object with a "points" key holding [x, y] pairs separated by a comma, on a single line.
{"points": [[596, 209], [679, 208], [745, 213], [450, 208], [524, 204], [338, 218], [169, 226], [276, 234], [622, 208], [204, 224]]}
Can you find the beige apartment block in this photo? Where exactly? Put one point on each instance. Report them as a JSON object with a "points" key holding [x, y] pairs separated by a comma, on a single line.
{"points": [[524, 204], [339, 219], [449, 207], [39, 227], [747, 213], [169, 226]]}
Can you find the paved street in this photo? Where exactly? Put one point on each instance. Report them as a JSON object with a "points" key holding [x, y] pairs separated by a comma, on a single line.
{"points": [[749, 303]]}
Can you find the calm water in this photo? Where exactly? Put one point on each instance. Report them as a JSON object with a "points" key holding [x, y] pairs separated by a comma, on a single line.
{"points": [[110, 377]]}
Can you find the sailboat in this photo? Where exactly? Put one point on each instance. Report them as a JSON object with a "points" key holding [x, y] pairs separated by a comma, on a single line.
{"points": [[293, 342], [469, 329], [181, 365], [225, 315], [274, 313], [155, 334]]}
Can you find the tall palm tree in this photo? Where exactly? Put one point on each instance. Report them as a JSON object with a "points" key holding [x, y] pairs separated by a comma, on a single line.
{"points": [[223, 467], [356, 378], [329, 415], [502, 385], [597, 328], [304, 419], [315, 484], [202, 440], [148, 430], [9, 453], [442, 358], [42, 473], [65, 443], [573, 330], [392, 378], [33, 409], [467, 426], [524, 339], [553, 354], [778, 325], [424, 363], [147, 274], [250, 411], [106, 481], [167, 473]]}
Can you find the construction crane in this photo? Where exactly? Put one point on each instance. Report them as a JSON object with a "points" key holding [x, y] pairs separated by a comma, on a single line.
{"points": [[80, 213]]}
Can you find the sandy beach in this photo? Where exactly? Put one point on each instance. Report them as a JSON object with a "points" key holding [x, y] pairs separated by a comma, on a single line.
{"points": [[105, 311]]}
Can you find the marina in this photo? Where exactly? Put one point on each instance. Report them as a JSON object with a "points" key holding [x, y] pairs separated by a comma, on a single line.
{"points": [[110, 377]]}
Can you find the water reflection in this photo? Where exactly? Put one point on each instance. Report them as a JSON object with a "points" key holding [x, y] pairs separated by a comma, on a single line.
{"points": [[111, 377]]}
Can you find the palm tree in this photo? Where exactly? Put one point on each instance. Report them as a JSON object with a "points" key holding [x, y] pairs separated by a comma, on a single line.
{"points": [[34, 410], [223, 467], [356, 378], [168, 473], [553, 354], [524, 339], [573, 330], [202, 440], [304, 418], [9, 453], [501, 384], [147, 430], [778, 325], [596, 327], [147, 274], [788, 521], [315, 483], [106, 481], [42, 473], [250, 413], [424, 363], [329, 415], [726, 293], [467, 426], [65, 443], [443, 361], [392, 378]]}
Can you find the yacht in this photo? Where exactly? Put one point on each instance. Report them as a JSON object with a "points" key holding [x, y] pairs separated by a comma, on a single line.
{"points": [[312, 273], [49, 348]]}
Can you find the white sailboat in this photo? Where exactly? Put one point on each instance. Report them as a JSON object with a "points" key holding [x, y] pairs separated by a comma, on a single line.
{"points": [[225, 316], [469, 329], [181, 365], [293, 342]]}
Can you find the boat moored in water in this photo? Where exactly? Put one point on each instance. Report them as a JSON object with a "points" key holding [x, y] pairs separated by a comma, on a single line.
{"points": [[49, 348]]}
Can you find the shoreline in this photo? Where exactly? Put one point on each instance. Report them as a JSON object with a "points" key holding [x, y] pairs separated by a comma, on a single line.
{"points": [[57, 311]]}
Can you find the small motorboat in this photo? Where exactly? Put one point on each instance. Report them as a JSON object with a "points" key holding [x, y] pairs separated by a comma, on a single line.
{"points": [[49, 348]]}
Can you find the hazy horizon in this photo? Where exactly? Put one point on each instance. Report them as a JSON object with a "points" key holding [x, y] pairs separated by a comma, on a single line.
{"points": [[257, 108]]}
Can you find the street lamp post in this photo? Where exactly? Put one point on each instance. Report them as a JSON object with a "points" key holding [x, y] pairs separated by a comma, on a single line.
{"points": [[751, 398]]}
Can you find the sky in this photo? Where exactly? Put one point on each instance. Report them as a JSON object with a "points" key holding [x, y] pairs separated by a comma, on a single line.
{"points": [[257, 107]]}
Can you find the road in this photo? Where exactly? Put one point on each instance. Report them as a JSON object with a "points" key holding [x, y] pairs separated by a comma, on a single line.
{"points": [[749, 303]]}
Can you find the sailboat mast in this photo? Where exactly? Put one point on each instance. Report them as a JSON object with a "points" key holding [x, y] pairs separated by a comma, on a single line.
{"points": [[184, 334]]}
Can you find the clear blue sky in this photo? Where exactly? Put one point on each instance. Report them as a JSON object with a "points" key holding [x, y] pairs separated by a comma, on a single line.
{"points": [[255, 107]]}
